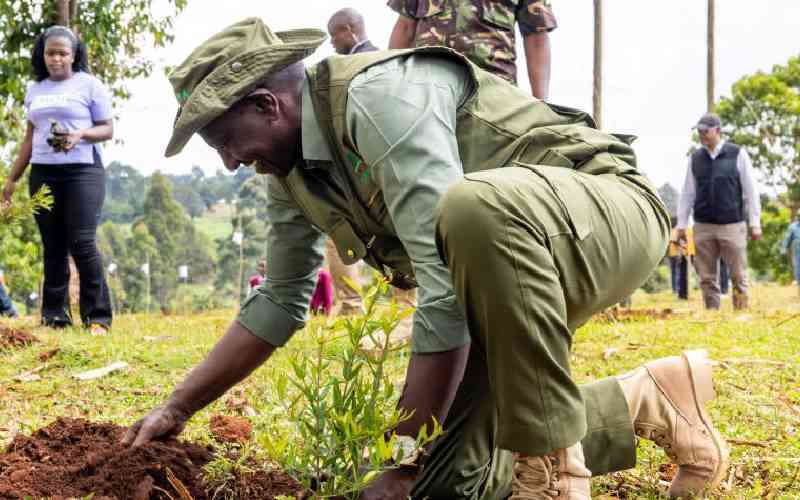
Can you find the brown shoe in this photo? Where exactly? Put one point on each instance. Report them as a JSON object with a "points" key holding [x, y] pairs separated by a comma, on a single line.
{"points": [[560, 475], [740, 300], [667, 400]]}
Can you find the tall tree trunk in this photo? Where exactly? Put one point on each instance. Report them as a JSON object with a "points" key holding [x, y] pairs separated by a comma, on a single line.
{"points": [[597, 94], [73, 16], [62, 12], [710, 63]]}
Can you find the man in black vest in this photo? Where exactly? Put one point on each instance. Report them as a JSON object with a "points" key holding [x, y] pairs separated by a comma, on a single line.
{"points": [[720, 190]]}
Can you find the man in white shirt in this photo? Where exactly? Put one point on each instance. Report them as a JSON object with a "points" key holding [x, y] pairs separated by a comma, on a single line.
{"points": [[719, 191]]}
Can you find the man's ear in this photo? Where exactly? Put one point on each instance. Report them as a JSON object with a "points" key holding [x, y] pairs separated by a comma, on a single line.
{"points": [[265, 101]]}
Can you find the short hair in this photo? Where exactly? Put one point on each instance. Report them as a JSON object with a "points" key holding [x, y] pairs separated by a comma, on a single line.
{"points": [[289, 79], [348, 16], [80, 62]]}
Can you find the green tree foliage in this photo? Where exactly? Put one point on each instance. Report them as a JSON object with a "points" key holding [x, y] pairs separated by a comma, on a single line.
{"points": [[764, 255], [141, 248], [670, 196], [763, 115], [165, 238], [19, 242], [125, 188], [168, 223], [251, 219], [112, 244]]}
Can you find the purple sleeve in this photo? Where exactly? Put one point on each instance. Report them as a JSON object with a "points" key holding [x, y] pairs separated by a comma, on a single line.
{"points": [[100, 106], [327, 283]]}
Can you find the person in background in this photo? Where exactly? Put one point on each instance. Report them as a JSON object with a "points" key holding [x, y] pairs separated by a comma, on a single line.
{"points": [[681, 254], [483, 31], [673, 256], [791, 243], [6, 306], [719, 185], [68, 114], [724, 278], [348, 33], [322, 299], [258, 278]]}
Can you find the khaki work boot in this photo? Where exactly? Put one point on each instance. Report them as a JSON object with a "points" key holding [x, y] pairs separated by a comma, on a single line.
{"points": [[560, 475], [667, 400]]}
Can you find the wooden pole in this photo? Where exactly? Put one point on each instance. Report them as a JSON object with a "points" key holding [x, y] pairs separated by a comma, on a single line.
{"points": [[73, 17], [597, 93], [62, 12], [710, 62]]}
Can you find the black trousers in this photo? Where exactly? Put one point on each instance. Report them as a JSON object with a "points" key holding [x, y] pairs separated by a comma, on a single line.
{"points": [[70, 228]]}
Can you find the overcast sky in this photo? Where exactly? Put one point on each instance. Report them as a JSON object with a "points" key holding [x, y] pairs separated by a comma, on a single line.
{"points": [[654, 73]]}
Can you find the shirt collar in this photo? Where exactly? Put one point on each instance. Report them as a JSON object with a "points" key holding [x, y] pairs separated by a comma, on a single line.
{"points": [[358, 45], [315, 146], [714, 152]]}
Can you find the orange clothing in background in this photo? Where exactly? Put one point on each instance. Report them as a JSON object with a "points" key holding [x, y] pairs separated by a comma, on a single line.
{"points": [[675, 249]]}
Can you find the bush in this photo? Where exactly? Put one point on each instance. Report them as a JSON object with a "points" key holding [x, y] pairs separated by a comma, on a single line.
{"points": [[345, 411], [658, 281], [764, 255]]}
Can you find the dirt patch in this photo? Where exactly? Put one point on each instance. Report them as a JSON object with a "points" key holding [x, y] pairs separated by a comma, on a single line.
{"points": [[47, 355], [75, 458], [642, 314], [228, 429], [667, 471], [12, 338]]}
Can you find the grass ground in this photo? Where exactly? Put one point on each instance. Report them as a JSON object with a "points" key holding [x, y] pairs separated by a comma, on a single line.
{"points": [[758, 381]]}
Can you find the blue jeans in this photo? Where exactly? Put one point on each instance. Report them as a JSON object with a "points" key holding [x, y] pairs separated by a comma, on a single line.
{"points": [[674, 273], [6, 306]]}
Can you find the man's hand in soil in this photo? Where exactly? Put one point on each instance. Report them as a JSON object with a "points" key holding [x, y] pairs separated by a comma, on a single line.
{"points": [[235, 356], [162, 422]]}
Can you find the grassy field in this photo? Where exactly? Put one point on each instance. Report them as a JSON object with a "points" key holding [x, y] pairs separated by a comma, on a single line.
{"points": [[757, 381]]}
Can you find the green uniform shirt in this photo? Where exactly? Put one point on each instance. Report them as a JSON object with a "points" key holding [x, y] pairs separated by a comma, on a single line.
{"points": [[482, 30], [402, 115]]}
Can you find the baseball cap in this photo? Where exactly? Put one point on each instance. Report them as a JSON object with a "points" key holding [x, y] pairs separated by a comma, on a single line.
{"points": [[707, 121]]}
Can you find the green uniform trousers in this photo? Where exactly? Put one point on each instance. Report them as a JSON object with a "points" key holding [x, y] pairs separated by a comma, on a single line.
{"points": [[534, 252]]}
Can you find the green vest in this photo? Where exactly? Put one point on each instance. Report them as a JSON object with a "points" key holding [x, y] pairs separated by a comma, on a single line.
{"points": [[497, 126]]}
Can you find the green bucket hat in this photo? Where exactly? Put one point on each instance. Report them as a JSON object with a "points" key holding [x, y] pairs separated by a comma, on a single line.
{"points": [[227, 67]]}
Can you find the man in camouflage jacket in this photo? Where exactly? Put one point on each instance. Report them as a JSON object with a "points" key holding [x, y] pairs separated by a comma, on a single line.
{"points": [[483, 31]]}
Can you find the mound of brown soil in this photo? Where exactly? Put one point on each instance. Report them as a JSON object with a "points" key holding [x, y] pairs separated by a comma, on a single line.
{"points": [[228, 429], [74, 458], [11, 338]]}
